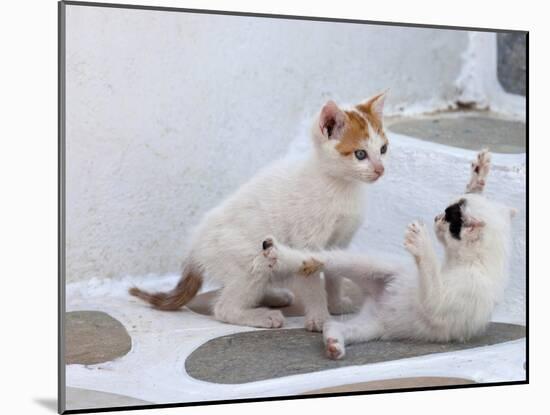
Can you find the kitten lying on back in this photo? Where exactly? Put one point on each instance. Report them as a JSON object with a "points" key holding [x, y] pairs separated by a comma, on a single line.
{"points": [[314, 204], [451, 301]]}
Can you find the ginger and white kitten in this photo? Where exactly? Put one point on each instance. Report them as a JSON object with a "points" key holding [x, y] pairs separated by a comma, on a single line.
{"points": [[314, 204], [439, 302]]}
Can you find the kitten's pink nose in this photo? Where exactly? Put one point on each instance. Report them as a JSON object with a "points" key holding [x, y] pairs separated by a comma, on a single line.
{"points": [[379, 170], [438, 217]]}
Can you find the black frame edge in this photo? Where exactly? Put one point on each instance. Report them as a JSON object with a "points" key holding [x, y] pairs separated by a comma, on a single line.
{"points": [[61, 384], [527, 207], [291, 397], [289, 17]]}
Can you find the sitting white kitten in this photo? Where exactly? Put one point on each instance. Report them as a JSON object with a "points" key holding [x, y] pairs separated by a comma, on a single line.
{"points": [[452, 301], [312, 204]]}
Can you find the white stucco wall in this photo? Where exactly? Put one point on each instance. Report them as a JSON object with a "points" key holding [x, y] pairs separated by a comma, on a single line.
{"points": [[167, 113]]}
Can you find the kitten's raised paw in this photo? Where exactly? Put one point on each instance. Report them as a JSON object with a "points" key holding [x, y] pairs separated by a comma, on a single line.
{"points": [[267, 243], [315, 323], [269, 251], [480, 169], [310, 266], [334, 350], [482, 163], [416, 237]]}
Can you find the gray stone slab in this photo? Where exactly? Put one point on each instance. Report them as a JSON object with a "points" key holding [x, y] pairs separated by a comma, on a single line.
{"points": [[77, 398], [267, 354], [397, 383], [512, 62], [93, 337], [469, 132]]}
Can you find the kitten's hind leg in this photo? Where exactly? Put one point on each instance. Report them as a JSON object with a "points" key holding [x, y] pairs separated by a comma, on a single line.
{"points": [[242, 294], [353, 271], [479, 171], [337, 335], [234, 306], [338, 302], [277, 297], [333, 337]]}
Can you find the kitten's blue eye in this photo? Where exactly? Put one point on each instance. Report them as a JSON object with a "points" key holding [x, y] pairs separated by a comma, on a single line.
{"points": [[383, 149], [360, 154]]}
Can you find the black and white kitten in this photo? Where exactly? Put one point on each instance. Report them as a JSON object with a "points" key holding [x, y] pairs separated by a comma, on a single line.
{"points": [[452, 300]]}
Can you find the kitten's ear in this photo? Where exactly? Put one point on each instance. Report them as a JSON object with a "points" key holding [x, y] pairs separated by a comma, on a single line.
{"points": [[331, 120], [374, 105], [471, 222], [472, 227]]}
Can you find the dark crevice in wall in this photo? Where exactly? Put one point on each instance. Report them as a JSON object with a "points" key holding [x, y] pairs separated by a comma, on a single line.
{"points": [[512, 63]]}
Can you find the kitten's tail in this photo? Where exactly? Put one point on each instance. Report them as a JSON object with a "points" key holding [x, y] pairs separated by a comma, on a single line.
{"points": [[187, 287]]}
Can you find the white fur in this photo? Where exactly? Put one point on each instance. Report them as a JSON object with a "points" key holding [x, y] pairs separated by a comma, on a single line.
{"points": [[314, 204], [436, 302]]}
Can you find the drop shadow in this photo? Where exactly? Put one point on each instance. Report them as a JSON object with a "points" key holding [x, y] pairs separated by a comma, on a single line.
{"points": [[47, 403]]}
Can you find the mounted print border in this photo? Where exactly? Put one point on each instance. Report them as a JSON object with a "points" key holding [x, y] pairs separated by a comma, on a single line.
{"points": [[123, 166]]}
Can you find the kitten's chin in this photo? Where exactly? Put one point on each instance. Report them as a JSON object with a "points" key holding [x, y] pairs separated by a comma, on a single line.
{"points": [[363, 179], [371, 179]]}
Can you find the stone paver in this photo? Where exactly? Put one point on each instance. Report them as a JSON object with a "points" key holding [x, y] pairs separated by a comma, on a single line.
{"points": [[93, 337], [267, 354], [471, 132], [398, 383], [77, 398]]}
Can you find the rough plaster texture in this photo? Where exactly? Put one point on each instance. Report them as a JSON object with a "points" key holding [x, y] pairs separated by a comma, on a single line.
{"points": [[167, 113]]}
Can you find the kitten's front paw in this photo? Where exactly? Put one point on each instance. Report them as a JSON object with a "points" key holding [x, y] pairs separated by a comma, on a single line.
{"points": [[310, 267], [272, 319], [315, 322], [416, 238], [334, 349]]}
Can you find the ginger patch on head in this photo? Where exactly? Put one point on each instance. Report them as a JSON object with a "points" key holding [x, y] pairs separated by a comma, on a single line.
{"points": [[356, 130], [361, 122], [372, 111]]}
